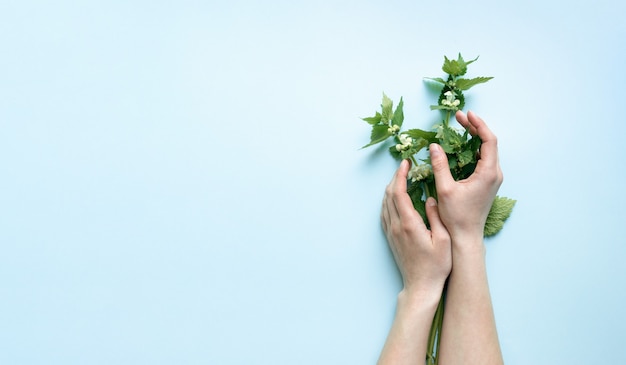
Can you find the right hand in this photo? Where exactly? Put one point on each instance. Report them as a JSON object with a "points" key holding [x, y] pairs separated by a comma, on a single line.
{"points": [[465, 204]]}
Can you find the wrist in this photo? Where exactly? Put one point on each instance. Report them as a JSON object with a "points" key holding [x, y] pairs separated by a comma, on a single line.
{"points": [[427, 295], [470, 244]]}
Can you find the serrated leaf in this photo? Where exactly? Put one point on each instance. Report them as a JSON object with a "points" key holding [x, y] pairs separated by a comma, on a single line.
{"points": [[458, 94], [373, 120], [398, 114], [451, 141], [420, 143], [387, 109], [456, 67], [500, 211], [474, 143], [466, 84], [395, 153], [418, 133], [379, 134], [465, 157], [451, 67]]}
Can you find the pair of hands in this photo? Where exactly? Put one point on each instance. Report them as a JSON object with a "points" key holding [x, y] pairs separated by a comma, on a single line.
{"points": [[424, 256]]}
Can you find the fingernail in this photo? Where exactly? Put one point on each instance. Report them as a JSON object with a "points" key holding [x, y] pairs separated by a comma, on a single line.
{"points": [[431, 202]]}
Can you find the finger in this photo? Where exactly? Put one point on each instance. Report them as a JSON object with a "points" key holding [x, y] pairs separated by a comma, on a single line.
{"points": [[399, 178], [441, 169], [384, 215], [489, 146], [462, 119], [402, 201], [385, 209], [437, 227]]}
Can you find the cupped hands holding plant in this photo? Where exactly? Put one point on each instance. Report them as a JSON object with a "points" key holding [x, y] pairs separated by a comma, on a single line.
{"points": [[436, 210]]}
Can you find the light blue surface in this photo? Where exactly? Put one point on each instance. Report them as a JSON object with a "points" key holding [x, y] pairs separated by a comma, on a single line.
{"points": [[181, 181]]}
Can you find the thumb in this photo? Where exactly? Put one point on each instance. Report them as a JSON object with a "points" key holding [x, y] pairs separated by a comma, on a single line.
{"points": [[432, 212], [437, 227], [441, 169]]}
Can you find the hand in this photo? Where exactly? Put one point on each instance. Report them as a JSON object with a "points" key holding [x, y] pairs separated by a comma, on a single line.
{"points": [[423, 256], [464, 204]]}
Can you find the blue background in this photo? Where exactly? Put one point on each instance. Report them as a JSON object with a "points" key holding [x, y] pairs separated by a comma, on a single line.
{"points": [[181, 181]]}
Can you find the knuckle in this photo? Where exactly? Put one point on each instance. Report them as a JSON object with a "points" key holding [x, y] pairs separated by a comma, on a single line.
{"points": [[409, 228], [444, 191], [397, 192], [441, 238], [395, 229], [495, 177], [398, 229]]}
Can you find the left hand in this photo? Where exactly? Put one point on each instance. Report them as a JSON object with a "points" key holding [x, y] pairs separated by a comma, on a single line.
{"points": [[423, 256]]}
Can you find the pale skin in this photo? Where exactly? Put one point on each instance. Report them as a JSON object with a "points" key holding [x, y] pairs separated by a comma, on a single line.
{"points": [[452, 249]]}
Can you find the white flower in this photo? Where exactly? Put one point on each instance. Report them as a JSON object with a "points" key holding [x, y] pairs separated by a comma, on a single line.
{"points": [[450, 99], [393, 129], [405, 139], [405, 143], [420, 172]]}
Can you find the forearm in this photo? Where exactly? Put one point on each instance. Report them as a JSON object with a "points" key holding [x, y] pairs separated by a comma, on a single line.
{"points": [[469, 333], [408, 337]]}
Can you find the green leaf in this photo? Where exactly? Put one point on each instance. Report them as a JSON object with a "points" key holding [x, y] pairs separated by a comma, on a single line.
{"points": [[395, 153], [465, 171], [415, 148], [456, 67], [458, 95], [500, 211], [465, 84], [398, 115], [468, 62], [465, 157], [416, 192], [436, 79], [450, 67], [379, 134], [452, 163], [387, 107], [431, 137], [474, 143], [374, 120], [451, 141]]}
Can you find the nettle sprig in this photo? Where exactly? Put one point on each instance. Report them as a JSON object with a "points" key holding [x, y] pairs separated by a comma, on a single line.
{"points": [[461, 148]]}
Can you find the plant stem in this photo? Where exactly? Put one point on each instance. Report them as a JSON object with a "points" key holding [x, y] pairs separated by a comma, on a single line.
{"points": [[434, 340]]}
